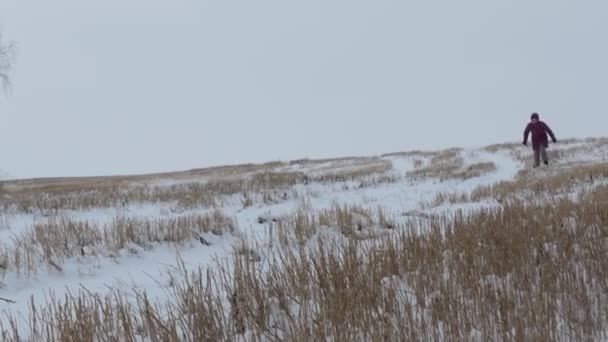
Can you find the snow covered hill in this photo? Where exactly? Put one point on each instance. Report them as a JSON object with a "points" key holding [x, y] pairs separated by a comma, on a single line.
{"points": [[214, 253]]}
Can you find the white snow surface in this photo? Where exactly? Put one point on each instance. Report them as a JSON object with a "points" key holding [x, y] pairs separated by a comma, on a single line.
{"points": [[150, 269]]}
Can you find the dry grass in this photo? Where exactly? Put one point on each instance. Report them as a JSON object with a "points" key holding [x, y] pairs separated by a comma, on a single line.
{"points": [[477, 170], [523, 272], [216, 185], [351, 221], [567, 151], [259, 184], [412, 154], [503, 146], [555, 182], [532, 269], [51, 243], [362, 170], [449, 164], [442, 198]]}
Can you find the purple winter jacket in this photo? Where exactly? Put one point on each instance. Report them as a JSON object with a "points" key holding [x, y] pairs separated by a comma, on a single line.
{"points": [[539, 132]]}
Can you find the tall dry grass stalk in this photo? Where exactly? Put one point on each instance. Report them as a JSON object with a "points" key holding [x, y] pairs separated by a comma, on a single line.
{"points": [[522, 272], [531, 269], [261, 184], [556, 182], [48, 245]]}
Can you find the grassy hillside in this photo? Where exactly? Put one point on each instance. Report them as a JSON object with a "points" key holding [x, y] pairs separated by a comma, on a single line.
{"points": [[425, 245]]}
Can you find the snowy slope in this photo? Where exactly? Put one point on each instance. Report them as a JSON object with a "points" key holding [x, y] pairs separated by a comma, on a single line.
{"points": [[150, 269]]}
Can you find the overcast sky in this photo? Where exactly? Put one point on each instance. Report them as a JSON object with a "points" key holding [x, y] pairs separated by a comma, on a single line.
{"points": [[115, 87]]}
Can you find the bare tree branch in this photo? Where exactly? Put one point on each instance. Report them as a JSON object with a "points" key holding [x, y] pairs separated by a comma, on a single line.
{"points": [[7, 52]]}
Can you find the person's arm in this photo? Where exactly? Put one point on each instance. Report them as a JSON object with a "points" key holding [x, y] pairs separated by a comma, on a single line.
{"points": [[527, 133], [548, 130]]}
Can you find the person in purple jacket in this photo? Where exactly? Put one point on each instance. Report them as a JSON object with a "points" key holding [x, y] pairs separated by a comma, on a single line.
{"points": [[540, 142]]}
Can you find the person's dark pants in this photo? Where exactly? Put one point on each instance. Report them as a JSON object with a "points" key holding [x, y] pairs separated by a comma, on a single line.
{"points": [[539, 152]]}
